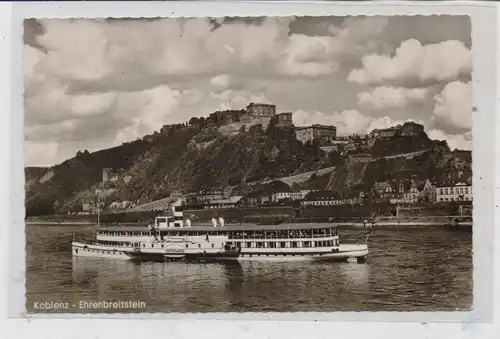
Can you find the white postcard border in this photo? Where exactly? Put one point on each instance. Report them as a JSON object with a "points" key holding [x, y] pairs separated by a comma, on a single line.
{"points": [[378, 324]]}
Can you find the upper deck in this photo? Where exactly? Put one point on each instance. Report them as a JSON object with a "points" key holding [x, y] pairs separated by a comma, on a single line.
{"points": [[210, 228], [235, 231]]}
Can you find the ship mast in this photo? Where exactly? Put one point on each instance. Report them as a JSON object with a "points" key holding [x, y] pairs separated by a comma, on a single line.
{"points": [[97, 191], [98, 211]]}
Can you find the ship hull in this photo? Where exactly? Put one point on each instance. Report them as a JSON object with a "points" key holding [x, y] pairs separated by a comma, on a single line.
{"points": [[198, 257], [98, 251], [344, 253]]}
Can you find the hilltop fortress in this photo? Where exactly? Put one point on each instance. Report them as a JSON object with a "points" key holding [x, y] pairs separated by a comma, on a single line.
{"points": [[260, 115], [254, 114]]}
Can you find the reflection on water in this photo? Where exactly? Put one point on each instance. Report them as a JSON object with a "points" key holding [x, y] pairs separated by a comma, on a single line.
{"points": [[357, 274], [414, 269]]}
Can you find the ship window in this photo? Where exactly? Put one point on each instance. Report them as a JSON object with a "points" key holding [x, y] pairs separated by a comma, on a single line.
{"points": [[213, 245], [249, 244], [199, 245], [187, 245], [162, 245], [307, 243], [143, 245], [260, 245], [294, 244], [152, 245]]}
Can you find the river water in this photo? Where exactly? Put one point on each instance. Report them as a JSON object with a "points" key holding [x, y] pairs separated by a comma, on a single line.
{"points": [[411, 269]]}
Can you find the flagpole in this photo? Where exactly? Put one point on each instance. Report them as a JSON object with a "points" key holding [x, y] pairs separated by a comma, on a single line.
{"points": [[98, 191], [98, 210]]}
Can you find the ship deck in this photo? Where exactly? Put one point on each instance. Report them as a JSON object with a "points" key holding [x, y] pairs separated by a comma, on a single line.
{"points": [[230, 227]]}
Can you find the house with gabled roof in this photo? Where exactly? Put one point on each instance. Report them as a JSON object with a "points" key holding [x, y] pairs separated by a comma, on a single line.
{"points": [[454, 186], [412, 195], [428, 192]]}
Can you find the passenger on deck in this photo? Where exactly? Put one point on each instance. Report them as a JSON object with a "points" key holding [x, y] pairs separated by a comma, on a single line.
{"points": [[221, 221], [214, 222], [188, 222]]}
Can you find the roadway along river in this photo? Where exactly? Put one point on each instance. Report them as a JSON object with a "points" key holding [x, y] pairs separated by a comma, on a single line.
{"points": [[411, 269]]}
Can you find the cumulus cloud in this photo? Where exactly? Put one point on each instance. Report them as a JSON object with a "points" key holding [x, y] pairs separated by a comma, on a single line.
{"points": [[359, 36], [444, 61], [51, 104], [385, 97], [80, 52], [310, 56], [454, 105], [459, 141], [324, 53], [92, 84]]}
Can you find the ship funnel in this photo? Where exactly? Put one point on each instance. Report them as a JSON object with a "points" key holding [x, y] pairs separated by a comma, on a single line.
{"points": [[177, 209]]}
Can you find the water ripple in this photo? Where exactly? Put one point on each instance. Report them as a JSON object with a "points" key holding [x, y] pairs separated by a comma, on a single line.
{"points": [[408, 270]]}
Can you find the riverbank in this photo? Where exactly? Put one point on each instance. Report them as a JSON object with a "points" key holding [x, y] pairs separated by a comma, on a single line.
{"points": [[62, 223], [424, 221]]}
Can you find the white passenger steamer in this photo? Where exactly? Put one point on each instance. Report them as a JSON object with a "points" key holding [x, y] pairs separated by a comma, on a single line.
{"points": [[173, 238]]}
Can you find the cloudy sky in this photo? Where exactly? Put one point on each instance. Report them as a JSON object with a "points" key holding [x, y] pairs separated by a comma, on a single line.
{"points": [[93, 84]]}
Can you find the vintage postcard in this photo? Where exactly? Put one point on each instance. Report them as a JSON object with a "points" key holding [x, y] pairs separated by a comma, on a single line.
{"points": [[269, 164]]}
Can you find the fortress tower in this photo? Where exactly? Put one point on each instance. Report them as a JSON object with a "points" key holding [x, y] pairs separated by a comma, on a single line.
{"points": [[261, 110], [106, 174]]}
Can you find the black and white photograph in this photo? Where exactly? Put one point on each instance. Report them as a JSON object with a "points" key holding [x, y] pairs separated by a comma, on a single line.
{"points": [[248, 164]]}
